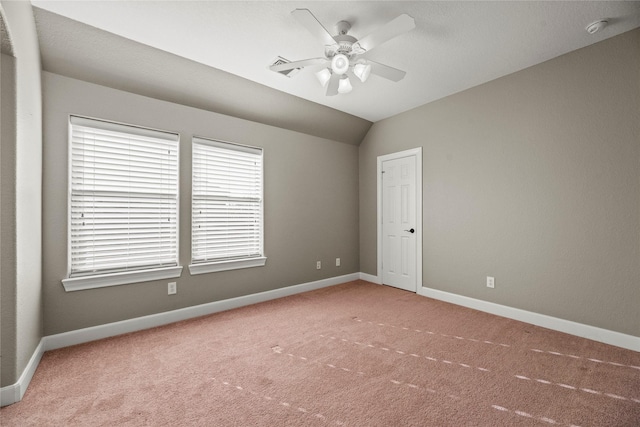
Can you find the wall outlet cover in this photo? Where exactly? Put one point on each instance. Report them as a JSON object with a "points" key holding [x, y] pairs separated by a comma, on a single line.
{"points": [[172, 288], [491, 282]]}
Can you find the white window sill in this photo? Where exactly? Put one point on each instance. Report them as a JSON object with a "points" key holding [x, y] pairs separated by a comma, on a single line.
{"points": [[123, 278], [211, 267]]}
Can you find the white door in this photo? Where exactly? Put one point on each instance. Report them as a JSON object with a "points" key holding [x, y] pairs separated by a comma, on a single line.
{"points": [[399, 223]]}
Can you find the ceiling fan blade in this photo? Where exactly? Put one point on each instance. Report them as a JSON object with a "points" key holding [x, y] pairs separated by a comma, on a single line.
{"points": [[391, 29], [311, 23], [387, 72], [298, 64], [355, 81], [332, 87]]}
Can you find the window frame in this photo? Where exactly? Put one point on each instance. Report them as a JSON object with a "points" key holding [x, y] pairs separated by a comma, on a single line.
{"points": [[85, 281], [211, 266]]}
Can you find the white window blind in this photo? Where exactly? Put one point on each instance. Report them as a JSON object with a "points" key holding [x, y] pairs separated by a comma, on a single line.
{"points": [[226, 202], [123, 198]]}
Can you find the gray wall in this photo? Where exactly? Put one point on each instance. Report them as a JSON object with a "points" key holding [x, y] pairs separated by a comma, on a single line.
{"points": [[7, 221], [22, 197], [533, 178], [311, 206]]}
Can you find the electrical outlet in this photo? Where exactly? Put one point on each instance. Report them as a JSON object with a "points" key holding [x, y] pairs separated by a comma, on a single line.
{"points": [[318, 265], [172, 289], [491, 282], [337, 262]]}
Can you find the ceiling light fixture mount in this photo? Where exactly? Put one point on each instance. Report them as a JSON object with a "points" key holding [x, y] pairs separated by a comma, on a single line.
{"points": [[341, 55]]}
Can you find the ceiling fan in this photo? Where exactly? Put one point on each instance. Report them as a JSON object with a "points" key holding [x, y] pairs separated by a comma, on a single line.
{"points": [[344, 53]]}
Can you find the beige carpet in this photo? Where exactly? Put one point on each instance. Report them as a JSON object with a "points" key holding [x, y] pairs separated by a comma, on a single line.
{"points": [[356, 354]]}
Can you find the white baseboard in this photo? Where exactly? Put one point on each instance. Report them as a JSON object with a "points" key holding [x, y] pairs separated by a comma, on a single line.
{"points": [[80, 336], [618, 339], [370, 278], [14, 393]]}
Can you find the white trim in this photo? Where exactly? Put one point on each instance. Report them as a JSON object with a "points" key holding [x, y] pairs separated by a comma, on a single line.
{"points": [[371, 278], [93, 333], [122, 278], [9, 394], [212, 267], [112, 126], [225, 144], [252, 199], [417, 154], [594, 333], [14, 393], [118, 127]]}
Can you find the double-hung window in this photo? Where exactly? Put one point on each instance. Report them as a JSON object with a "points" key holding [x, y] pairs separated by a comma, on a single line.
{"points": [[123, 204], [227, 207]]}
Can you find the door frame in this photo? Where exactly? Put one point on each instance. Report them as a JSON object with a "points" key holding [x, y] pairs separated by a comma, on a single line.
{"points": [[417, 154]]}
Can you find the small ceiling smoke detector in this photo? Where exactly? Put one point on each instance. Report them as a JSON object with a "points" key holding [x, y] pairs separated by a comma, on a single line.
{"points": [[594, 27]]}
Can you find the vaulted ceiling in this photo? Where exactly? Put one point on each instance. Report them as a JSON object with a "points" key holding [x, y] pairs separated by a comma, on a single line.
{"points": [[181, 51]]}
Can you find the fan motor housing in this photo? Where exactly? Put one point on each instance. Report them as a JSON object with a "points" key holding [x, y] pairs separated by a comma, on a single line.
{"points": [[344, 46]]}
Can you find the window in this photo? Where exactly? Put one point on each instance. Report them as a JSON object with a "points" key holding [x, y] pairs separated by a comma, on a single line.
{"points": [[123, 204], [226, 221]]}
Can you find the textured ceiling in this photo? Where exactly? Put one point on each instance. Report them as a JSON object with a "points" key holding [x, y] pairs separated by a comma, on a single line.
{"points": [[455, 45], [73, 49]]}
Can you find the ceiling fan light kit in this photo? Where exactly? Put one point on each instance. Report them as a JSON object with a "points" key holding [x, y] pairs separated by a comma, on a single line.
{"points": [[340, 64], [342, 52], [362, 71], [324, 76], [345, 85]]}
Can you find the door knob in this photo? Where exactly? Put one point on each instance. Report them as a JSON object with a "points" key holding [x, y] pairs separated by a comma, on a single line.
{"points": [[411, 231]]}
